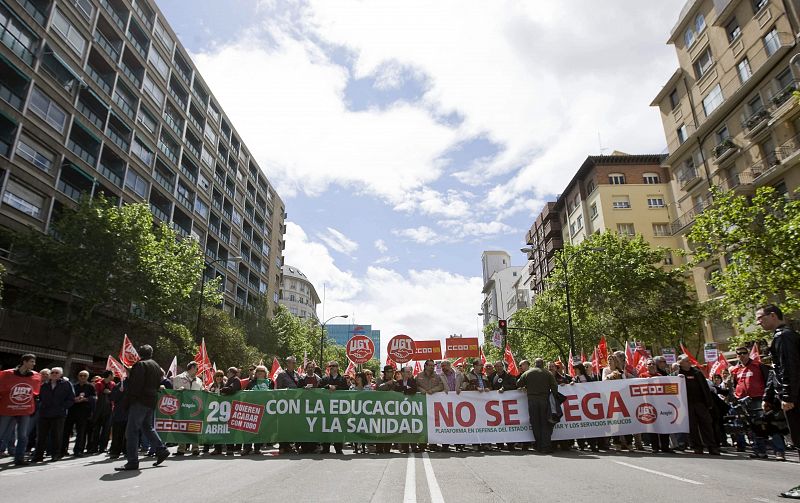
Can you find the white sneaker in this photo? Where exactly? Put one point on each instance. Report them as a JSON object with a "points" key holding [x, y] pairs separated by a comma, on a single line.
{"points": [[779, 456]]}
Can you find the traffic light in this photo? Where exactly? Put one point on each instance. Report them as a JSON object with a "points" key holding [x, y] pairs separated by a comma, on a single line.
{"points": [[503, 325]]}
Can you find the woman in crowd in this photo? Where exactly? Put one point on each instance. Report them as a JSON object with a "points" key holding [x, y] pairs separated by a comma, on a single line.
{"points": [[214, 387], [616, 370], [360, 383], [582, 376], [259, 382]]}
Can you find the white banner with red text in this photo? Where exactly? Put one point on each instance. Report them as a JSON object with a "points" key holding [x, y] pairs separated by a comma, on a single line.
{"points": [[598, 409]]}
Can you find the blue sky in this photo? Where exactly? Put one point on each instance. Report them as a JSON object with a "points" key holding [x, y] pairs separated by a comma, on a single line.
{"points": [[407, 137]]}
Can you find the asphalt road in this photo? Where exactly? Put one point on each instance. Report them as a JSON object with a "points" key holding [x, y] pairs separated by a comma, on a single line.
{"points": [[472, 477]]}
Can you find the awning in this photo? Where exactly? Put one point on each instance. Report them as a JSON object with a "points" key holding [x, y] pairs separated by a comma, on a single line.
{"points": [[66, 66], [79, 170], [42, 352]]}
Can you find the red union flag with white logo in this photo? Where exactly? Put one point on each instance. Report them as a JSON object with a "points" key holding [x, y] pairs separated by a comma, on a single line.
{"points": [[204, 368], [427, 350], [116, 367], [128, 354], [401, 348], [360, 349], [467, 347]]}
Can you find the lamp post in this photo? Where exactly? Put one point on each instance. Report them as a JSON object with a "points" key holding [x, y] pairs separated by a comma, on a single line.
{"points": [[563, 260], [202, 290], [322, 333]]}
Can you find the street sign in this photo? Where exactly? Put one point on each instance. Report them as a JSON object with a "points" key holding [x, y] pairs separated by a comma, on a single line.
{"points": [[669, 355], [456, 347], [497, 338], [360, 349], [427, 350], [710, 352], [401, 348]]}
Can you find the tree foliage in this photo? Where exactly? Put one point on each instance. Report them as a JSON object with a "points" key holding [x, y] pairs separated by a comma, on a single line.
{"points": [[760, 236], [620, 289]]}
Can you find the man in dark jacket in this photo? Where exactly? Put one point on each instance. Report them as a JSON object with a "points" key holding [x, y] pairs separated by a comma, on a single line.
{"points": [[538, 384], [700, 403], [101, 417], [785, 351], [502, 381], [55, 398], [332, 382], [119, 419], [142, 396], [232, 385], [288, 379], [79, 414]]}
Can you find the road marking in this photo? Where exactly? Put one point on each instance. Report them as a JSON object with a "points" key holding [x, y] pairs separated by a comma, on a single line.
{"points": [[762, 500], [410, 492], [433, 485], [654, 472]]}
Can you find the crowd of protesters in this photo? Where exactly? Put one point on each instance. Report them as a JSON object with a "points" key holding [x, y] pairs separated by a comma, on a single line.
{"points": [[41, 412]]}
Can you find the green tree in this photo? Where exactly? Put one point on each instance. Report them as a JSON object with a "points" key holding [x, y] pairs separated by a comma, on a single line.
{"points": [[104, 261], [225, 341], [760, 236], [619, 288]]}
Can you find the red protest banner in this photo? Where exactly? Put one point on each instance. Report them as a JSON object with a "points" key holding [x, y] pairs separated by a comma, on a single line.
{"points": [[427, 350], [462, 346]]}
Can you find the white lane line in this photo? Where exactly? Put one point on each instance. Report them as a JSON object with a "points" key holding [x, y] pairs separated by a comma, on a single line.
{"points": [[410, 492], [433, 485], [654, 472]]}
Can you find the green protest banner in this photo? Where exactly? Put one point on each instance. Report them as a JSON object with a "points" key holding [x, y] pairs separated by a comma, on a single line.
{"points": [[297, 415]]}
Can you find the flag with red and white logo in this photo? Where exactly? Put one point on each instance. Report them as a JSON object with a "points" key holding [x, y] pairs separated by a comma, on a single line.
{"points": [[508, 356], [754, 355], [128, 354], [205, 369], [116, 367], [276, 368], [718, 366]]}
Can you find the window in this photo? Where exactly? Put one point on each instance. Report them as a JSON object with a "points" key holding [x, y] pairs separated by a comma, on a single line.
{"points": [[207, 158], [743, 68], [621, 203], [163, 36], [158, 62], [683, 133], [202, 182], [152, 89], [651, 178], [733, 29], [201, 208], [700, 23], [625, 230], [146, 120], [572, 229], [758, 4], [69, 32], [590, 187], [34, 153], [661, 230], [24, 199], [668, 258], [712, 100], [213, 112], [579, 222], [210, 134], [85, 7], [616, 179], [784, 80], [655, 202], [755, 105], [43, 106], [703, 63], [142, 152], [673, 99], [771, 42], [136, 183], [593, 211], [723, 134], [14, 28], [689, 38]]}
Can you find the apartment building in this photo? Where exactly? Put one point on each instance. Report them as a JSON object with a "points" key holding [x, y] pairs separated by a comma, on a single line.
{"points": [[502, 294], [101, 97], [627, 194], [728, 113], [298, 293]]}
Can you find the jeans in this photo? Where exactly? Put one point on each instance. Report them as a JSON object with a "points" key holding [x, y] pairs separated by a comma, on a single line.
{"points": [[140, 421], [22, 423], [778, 444]]}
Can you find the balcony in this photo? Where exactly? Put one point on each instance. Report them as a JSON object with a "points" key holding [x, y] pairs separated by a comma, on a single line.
{"points": [[107, 46], [189, 171], [11, 41], [92, 108], [124, 105], [724, 150], [743, 180], [688, 218], [688, 176], [13, 85], [38, 12], [756, 123], [83, 143], [158, 213], [104, 82], [162, 180], [116, 13], [144, 12], [137, 43]]}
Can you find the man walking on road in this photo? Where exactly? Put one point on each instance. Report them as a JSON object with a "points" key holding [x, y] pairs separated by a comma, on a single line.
{"points": [[18, 387], [539, 383], [142, 396], [785, 351]]}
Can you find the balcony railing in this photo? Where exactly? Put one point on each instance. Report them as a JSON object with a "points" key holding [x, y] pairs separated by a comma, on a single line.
{"points": [[159, 213], [168, 151], [191, 176], [17, 47], [9, 97], [129, 73], [784, 95], [114, 16], [81, 152], [117, 139], [89, 114], [99, 80], [107, 46], [191, 148], [173, 124], [756, 121], [110, 175], [35, 13], [180, 99], [162, 180], [744, 178], [147, 22], [688, 218], [180, 230], [724, 147], [69, 191], [184, 201], [126, 108], [136, 45], [687, 176]]}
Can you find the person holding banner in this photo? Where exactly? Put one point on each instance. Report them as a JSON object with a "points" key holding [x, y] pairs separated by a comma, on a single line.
{"points": [[386, 383], [288, 378], [538, 383], [188, 380], [474, 379], [700, 404], [232, 385], [332, 382], [101, 417], [429, 382]]}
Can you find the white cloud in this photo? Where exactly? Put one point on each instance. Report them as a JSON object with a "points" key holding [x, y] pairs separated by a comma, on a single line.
{"points": [[476, 229], [380, 245], [386, 260], [425, 304], [421, 234], [338, 241]]}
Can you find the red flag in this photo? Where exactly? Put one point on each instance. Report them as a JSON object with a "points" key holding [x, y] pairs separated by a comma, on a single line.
{"points": [[641, 365], [583, 357], [276, 367], [754, 353], [483, 360], [692, 359], [459, 361], [509, 358], [116, 367], [596, 362], [719, 365], [128, 355], [417, 367], [351, 369], [602, 352], [391, 362], [204, 367], [571, 365], [628, 357]]}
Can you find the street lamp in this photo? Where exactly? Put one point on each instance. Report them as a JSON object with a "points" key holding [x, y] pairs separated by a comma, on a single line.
{"points": [[322, 333], [562, 258], [202, 289]]}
